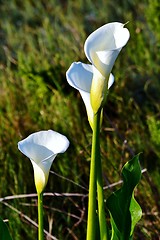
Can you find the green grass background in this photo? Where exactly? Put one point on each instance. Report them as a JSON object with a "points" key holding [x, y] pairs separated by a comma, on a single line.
{"points": [[38, 42]]}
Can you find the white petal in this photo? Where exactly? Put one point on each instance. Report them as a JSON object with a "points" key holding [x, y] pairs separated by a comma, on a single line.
{"points": [[106, 60], [55, 141], [109, 38], [41, 172], [86, 99], [121, 36], [34, 151], [40, 178], [99, 84], [42, 145], [79, 76], [111, 80]]}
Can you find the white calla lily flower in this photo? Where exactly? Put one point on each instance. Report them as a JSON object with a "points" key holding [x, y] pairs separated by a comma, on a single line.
{"points": [[80, 76], [103, 46], [41, 148]]}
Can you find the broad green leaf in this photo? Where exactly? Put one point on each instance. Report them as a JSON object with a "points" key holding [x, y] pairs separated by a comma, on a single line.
{"points": [[4, 232], [124, 210]]}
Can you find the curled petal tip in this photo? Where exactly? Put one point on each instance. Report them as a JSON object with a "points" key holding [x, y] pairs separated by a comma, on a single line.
{"points": [[125, 23]]}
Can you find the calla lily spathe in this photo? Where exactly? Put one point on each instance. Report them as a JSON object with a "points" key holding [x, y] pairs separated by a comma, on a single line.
{"points": [[101, 48], [41, 148], [80, 76]]}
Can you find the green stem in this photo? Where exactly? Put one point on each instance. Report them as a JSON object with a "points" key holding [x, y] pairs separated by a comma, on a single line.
{"points": [[100, 195], [91, 223], [40, 217], [104, 234]]}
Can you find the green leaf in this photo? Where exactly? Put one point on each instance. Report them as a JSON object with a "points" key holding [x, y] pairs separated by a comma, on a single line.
{"points": [[136, 213], [124, 210], [4, 232]]}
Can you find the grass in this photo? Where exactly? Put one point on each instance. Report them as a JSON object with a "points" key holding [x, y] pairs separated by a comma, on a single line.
{"points": [[38, 42]]}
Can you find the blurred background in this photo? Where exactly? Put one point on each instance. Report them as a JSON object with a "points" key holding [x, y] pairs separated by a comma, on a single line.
{"points": [[38, 42]]}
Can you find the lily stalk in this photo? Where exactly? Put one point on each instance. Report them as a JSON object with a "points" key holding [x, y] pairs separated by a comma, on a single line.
{"points": [[104, 234], [96, 186], [40, 217], [91, 227]]}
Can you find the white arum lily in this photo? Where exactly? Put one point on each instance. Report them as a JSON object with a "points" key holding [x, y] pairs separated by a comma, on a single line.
{"points": [[80, 76], [101, 48], [42, 147]]}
